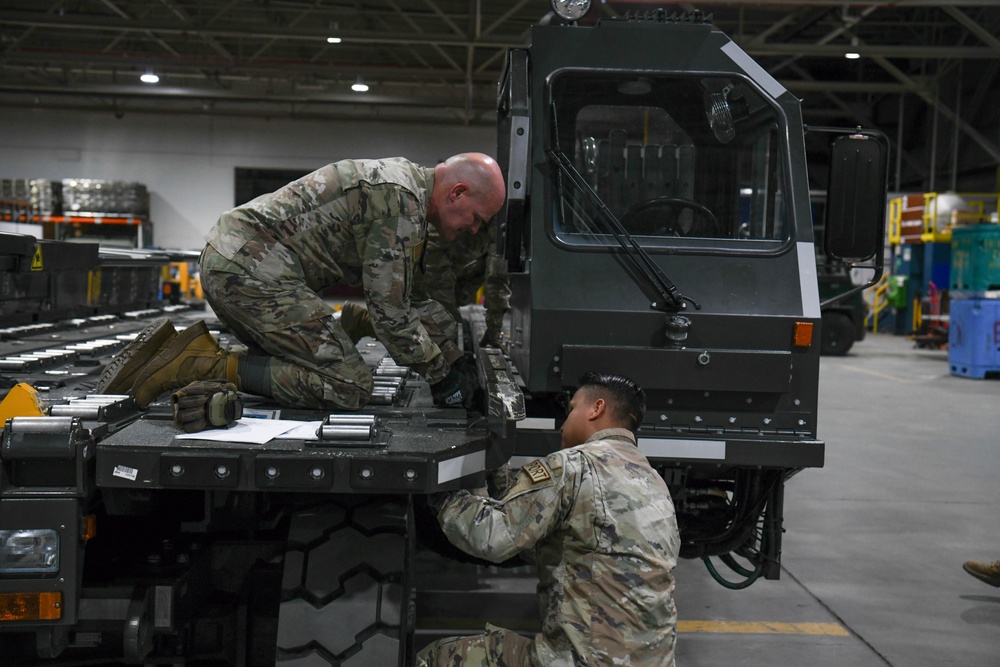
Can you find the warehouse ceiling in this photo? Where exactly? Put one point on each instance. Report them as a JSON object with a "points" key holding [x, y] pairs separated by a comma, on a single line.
{"points": [[928, 73]]}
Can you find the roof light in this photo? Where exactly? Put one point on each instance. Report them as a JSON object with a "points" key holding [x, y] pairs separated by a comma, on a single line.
{"points": [[333, 40], [571, 10], [359, 86], [149, 77]]}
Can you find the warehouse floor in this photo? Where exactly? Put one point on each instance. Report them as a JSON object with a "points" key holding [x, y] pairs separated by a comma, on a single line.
{"points": [[872, 564]]}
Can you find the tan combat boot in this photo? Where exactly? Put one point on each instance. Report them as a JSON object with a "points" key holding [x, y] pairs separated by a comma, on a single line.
{"points": [[356, 321], [988, 572], [120, 373], [193, 355]]}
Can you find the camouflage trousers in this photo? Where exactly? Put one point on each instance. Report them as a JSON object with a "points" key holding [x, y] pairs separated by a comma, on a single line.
{"points": [[313, 364], [494, 648]]}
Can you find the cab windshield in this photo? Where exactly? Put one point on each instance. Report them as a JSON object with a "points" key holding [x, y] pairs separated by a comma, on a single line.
{"points": [[677, 158]]}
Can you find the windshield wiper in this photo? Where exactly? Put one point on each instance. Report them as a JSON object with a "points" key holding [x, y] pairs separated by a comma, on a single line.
{"points": [[640, 266]]}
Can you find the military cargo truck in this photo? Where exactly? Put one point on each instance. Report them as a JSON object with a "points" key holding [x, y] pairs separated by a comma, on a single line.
{"points": [[657, 225]]}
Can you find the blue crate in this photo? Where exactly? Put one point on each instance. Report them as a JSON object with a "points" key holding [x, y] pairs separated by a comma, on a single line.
{"points": [[974, 338]]}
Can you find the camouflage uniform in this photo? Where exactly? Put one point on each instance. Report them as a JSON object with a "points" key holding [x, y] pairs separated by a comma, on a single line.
{"points": [[599, 523], [451, 274], [354, 222]]}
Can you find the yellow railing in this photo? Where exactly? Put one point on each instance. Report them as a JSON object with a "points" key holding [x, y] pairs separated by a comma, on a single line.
{"points": [[936, 226], [895, 220], [875, 296]]}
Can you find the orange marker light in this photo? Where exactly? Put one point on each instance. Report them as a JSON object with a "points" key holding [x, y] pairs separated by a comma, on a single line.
{"points": [[30, 606], [88, 527], [803, 336]]}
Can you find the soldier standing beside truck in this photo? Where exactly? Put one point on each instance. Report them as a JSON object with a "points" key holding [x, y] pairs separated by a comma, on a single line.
{"points": [[599, 524]]}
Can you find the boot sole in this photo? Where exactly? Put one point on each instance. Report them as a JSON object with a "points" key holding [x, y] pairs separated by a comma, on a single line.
{"points": [[120, 373]]}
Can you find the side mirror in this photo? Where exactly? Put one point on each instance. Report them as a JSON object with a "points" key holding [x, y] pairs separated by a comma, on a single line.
{"points": [[855, 207]]}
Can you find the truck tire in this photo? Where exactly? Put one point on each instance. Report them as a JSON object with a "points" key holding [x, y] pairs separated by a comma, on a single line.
{"points": [[345, 598], [838, 334]]}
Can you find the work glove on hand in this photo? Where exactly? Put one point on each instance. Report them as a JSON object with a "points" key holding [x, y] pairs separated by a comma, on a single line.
{"points": [[493, 338], [448, 392], [460, 386], [206, 404], [472, 389]]}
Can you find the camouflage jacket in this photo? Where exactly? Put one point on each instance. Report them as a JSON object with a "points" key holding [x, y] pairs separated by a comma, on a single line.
{"points": [[451, 273], [599, 524], [355, 222]]}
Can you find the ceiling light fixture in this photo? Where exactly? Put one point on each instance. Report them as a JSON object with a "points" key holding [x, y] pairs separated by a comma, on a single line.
{"points": [[333, 40], [853, 55], [359, 86], [149, 77]]}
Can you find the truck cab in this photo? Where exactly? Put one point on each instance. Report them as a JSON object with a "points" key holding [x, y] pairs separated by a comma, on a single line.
{"points": [[658, 225]]}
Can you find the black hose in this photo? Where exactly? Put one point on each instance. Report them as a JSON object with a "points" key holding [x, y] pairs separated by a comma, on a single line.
{"points": [[748, 507]]}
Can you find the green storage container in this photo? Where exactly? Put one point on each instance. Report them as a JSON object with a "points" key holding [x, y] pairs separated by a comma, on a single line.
{"points": [[895, 292], [975, 258]]}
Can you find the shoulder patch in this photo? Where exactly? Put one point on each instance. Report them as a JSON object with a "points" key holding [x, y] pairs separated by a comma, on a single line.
{"points": [[418, 251], [538, 471]]}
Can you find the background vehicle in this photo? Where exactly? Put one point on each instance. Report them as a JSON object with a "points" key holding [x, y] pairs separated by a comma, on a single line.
{"points": [[657, 225], [843, 316]]}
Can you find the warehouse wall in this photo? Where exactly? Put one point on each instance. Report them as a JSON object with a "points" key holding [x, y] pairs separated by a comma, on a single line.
{"points": [[188, 163]]}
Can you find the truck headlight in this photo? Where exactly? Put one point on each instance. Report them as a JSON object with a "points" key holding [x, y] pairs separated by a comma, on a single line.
{"points": [[29, 551]]}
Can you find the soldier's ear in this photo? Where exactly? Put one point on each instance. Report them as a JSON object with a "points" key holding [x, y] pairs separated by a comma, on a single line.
{"points": [[597, 410]]}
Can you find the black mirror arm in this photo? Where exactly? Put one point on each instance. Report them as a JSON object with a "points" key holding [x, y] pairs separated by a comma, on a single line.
{"points": [[877, 267]]}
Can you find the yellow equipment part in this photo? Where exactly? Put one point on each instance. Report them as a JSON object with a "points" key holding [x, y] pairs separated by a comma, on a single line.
{"points": [[21, 401]]}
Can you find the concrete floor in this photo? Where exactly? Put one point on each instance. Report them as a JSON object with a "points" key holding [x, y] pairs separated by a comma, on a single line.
{"points": [[875, 541]]}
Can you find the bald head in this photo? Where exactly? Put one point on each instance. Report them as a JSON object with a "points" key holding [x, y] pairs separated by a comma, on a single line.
{"points": [[479, 171], [468, 190]]}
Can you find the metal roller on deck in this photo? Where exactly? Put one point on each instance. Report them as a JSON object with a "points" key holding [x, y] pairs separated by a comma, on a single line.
{"points": [[352, 428]]}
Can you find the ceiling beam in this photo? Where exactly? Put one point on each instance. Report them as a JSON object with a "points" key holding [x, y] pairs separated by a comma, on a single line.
{"points": [[110, 67], [919, 52], [888, 4], [932, 99], [425, 99], [248, 32], [234, 30], [972, 26]]}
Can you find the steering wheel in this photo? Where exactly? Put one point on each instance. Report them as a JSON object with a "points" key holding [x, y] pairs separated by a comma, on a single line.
{"points": [[704, 224]]}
